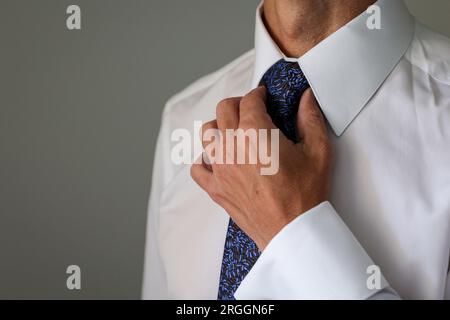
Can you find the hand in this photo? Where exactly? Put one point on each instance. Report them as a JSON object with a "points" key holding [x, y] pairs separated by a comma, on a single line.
{"points": [[261, 205]]}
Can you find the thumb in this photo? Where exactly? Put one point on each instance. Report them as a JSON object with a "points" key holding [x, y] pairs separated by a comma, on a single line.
{"points": [[311, 123]]}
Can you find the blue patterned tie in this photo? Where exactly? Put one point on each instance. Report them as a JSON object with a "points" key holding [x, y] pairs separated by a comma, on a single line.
{"points": [[285, 84]]}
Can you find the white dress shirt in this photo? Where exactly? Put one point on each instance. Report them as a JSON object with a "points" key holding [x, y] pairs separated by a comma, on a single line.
{"points": [[386, 96]]}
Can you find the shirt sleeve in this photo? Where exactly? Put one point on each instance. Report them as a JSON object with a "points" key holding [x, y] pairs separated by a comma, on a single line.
{"points": [[154, 284], [316, 256]]}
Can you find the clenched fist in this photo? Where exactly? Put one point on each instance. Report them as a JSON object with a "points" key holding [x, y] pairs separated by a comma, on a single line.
{"points": [[261, 205]]}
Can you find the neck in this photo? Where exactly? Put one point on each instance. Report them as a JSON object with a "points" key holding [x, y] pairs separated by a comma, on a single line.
{"points": [[299, 25]]}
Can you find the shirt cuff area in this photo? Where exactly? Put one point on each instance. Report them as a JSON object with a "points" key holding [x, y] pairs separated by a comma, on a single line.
{"points": [[316, 256]]}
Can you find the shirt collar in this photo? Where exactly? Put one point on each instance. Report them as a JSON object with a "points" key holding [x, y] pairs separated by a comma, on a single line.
{"points": [[347, 68]]}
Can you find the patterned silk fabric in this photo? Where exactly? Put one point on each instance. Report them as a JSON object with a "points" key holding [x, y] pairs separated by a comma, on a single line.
{"points": [[285, 84]]}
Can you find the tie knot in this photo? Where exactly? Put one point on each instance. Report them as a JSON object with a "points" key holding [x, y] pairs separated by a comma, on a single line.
{"points": [[285, 83]]}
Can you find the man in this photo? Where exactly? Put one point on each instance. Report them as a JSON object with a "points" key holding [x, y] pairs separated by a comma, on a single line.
{"points": [[360, 206]]}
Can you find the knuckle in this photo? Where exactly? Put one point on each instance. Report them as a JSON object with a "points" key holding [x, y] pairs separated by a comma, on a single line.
{"points": [[207, 125], [193, 173], [215, 195], [205, 128], [251, 117], [225, 104], [248, 122], [248, 99]]}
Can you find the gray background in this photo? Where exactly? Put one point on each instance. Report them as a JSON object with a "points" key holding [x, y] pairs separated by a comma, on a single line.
{"points": [[79, 115]]}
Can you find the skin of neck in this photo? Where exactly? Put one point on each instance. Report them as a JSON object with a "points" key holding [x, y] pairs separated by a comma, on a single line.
{"points": [[299, 25]]}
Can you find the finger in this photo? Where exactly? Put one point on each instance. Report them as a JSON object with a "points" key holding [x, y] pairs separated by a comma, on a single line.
{"points": [[253, 109], [311, 123], [208, 131], [213, 145], [227, 113], [205, 161], [201, 175]]}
